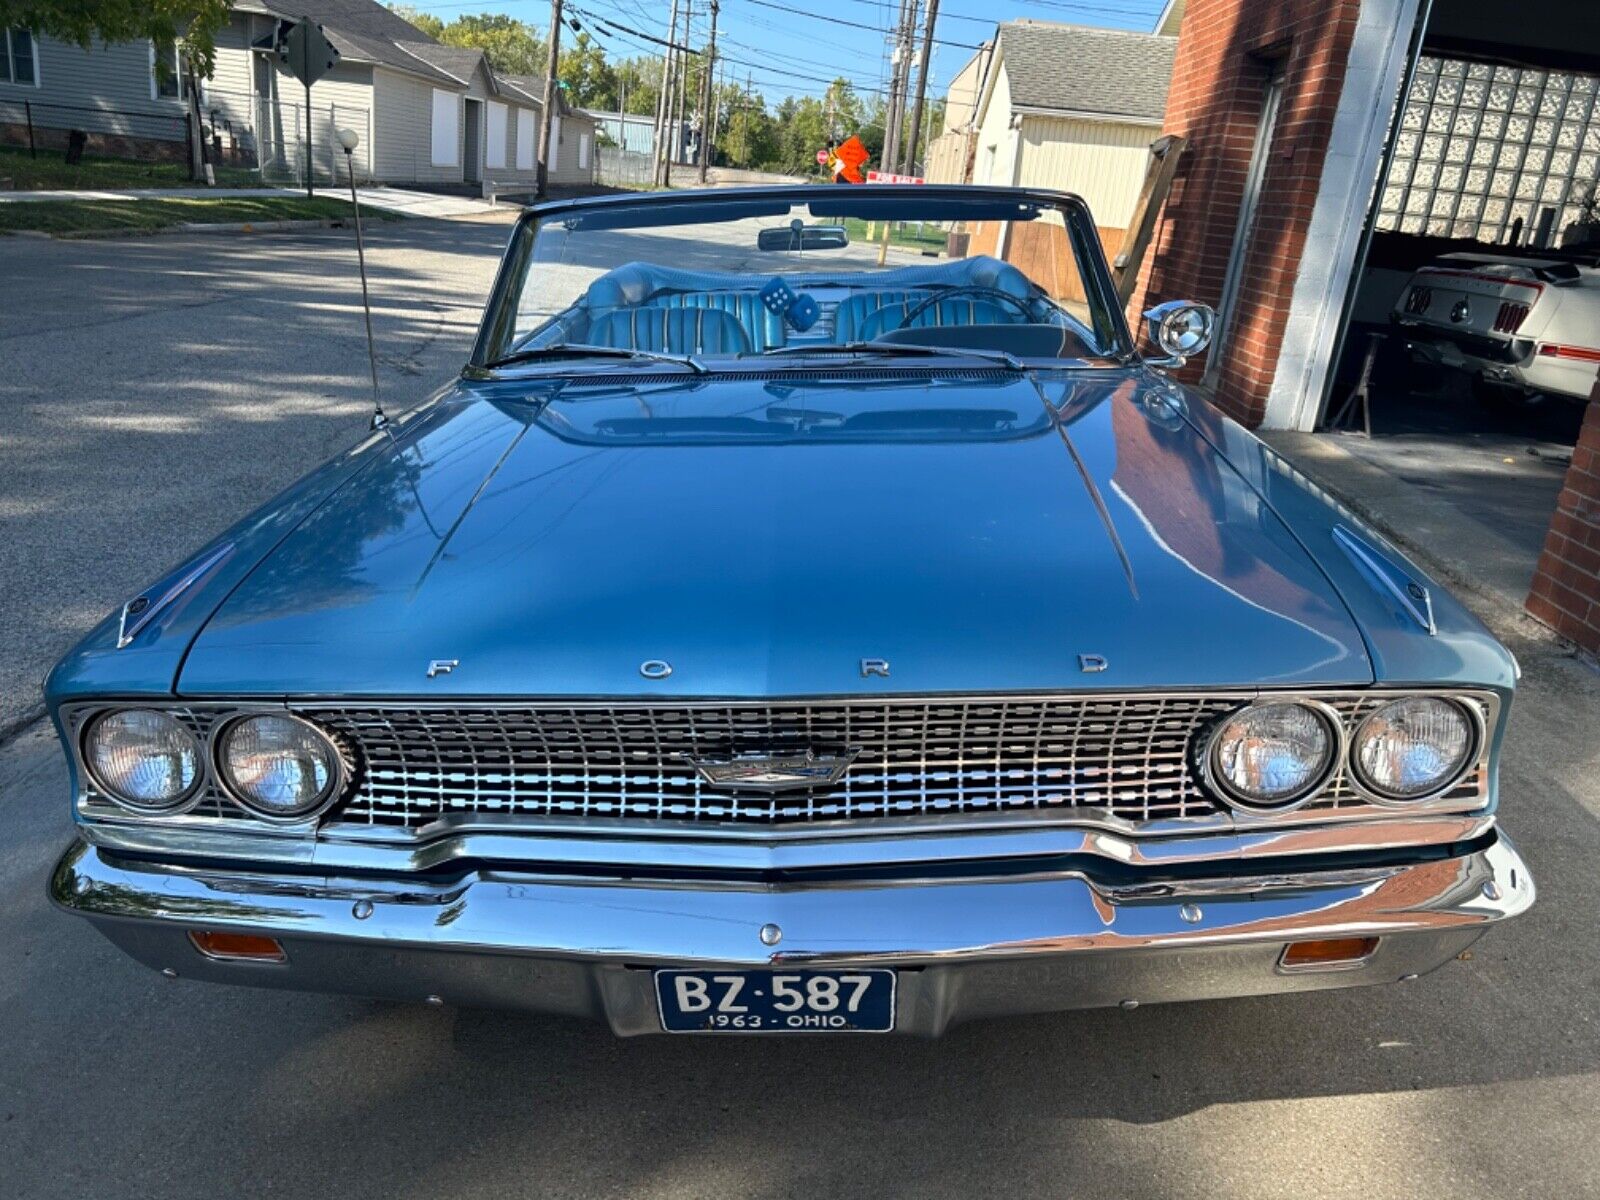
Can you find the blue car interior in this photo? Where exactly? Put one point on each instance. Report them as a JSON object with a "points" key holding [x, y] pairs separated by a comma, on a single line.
{"points": [[643, 306]]}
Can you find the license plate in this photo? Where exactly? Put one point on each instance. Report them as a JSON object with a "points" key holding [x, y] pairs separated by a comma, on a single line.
{"points": [[776, 1001]]}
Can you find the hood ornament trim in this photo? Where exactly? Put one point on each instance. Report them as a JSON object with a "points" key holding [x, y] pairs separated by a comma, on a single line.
{"points": [[144, 608], [1412, 597], [776, 772]]}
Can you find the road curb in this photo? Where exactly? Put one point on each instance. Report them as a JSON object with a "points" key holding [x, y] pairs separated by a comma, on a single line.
{"points": [[200, 227]]}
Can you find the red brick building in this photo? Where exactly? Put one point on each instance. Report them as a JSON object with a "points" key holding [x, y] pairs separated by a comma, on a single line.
{"points": [[1292, 172]]}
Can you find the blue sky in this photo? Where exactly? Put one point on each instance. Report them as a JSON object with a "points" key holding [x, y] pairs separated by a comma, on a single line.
{"points": [[798, 52]]}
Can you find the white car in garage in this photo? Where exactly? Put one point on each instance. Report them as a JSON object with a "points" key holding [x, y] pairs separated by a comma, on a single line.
{"points": [[1523, 327]]}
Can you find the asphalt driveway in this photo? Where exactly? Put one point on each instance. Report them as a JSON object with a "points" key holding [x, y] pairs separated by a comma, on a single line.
{"points": [[174, 375]]}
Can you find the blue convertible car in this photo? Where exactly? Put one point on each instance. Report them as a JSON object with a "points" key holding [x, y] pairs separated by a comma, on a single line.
{"points": [[785, 623]]}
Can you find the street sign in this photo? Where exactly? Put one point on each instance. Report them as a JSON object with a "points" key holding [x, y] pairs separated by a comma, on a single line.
{"points": [[890, 177], [306, 51], [822, 158], [851, 154]]}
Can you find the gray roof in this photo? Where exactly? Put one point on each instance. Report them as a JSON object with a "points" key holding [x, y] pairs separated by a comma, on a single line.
{"points": [[360, 30], [1078, 69], [458, 62]]}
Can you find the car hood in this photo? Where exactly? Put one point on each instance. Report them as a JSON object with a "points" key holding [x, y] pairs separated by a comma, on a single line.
{"points": [[976, 532]]}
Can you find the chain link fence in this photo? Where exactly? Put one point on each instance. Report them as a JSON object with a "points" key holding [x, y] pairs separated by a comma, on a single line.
{"points": [[263, 134], [616, 167]]}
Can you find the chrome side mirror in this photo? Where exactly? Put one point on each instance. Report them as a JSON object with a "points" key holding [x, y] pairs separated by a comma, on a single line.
{"points": [[1181, 328]]}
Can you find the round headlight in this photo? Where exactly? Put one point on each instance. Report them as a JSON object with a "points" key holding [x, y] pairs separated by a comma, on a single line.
{"points": [[1413, 748], [1271, 756], [143, 759], [279, 767]]}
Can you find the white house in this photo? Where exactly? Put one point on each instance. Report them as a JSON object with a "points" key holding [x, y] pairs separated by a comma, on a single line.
{"points": [[1076, 108], [427, 113]]}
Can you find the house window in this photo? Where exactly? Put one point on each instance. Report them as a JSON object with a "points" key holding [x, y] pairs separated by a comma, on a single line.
{"points": [[583, 152], [445, 107], [555, 144], [526, 130], [21, 63], [495, 152], [166, 73]]}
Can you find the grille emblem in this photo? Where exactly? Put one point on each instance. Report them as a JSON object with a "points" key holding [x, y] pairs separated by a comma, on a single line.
{"points": [[442, 666], [774, 772]]}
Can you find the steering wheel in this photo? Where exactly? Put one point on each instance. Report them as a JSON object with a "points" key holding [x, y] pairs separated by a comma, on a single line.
{"points": [[984, 293]]}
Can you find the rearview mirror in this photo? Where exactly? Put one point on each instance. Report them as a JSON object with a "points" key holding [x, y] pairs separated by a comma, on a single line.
{"points": [[1181, 328], [800, 236]]}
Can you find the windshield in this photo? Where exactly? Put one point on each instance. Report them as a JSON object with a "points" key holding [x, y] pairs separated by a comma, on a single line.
{"points": [[777, 278]]}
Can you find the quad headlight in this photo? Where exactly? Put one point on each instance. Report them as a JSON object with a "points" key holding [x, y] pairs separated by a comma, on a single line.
{"points": [[1272, 756], [279, 767], [1413, 748], [144, 760]]}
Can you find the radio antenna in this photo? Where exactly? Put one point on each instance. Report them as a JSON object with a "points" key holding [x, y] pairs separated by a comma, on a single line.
{"points": [[350, 139]]}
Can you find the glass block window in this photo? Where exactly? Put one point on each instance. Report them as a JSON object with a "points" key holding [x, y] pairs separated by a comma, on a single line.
{"points": [[1477, 146]]}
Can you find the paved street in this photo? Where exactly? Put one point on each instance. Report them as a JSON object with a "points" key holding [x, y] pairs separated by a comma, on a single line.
{"points": [[156, 389]]}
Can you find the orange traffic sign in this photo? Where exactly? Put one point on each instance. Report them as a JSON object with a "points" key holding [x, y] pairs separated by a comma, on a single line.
{"points": [[850, 155]]}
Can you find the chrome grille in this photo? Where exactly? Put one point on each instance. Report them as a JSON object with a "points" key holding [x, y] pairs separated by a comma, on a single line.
{"points": [[1121, 756]]}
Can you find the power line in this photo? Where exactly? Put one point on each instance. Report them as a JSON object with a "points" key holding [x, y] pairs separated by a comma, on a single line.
{"points": [[852, 24]]}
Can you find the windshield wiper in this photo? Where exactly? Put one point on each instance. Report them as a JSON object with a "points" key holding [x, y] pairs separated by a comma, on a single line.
{"points": [[909, 349], [579, 350]]}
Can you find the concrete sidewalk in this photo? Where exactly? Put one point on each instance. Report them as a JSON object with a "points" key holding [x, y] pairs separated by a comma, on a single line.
{"points": [[395, 200]]}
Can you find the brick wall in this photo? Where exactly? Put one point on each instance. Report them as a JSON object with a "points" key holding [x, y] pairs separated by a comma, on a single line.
{"points": [[1566, 585], [1226, 50]]}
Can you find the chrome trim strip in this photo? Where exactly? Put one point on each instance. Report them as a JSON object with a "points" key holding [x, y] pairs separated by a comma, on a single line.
{"points": [[144, 609], [469, 840]]}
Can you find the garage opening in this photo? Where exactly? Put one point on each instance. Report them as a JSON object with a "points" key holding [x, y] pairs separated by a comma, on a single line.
{"points": [[1472, 338]]}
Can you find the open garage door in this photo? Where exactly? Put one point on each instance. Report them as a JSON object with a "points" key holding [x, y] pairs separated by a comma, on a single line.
{"points": [[1476, 314]]}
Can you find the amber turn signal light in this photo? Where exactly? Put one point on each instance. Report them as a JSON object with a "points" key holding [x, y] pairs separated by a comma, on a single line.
{"points": [[1327, 954], [238, 947]]}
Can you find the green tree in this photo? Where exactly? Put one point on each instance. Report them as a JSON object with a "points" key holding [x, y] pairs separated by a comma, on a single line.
{"points": [[426, 22], [510, 45], [84, 22], [591, 82]]}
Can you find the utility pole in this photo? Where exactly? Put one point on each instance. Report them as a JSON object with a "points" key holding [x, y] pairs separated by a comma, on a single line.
{"points": [[922, 87], [658, 152], [716, 104], [707, 92], [894, 114], [680, 81], [551, 99], [749, 95]]}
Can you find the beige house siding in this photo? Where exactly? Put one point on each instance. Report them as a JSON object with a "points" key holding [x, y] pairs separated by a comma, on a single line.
{"points": [[403, 130], [963, 94], [997, 141], [1100, 161], [946, 160]]}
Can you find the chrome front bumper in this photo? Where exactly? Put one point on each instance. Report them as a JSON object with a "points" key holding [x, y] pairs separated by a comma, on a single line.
{"points": [[972, 946]]}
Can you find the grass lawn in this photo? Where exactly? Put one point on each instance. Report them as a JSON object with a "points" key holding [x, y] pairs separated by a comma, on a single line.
{"points": [[905, 236], [49, 172], [137, 216]]}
